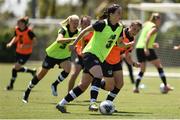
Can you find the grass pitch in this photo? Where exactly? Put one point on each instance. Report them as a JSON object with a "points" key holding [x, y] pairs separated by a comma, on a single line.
{"points": [[149, 104]]}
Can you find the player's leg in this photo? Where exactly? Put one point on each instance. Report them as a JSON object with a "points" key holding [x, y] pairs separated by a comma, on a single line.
{"points": [[118, 81], [93, 69], [48, 63], [16, 67], [22, 59], [142, 60], [159, 67], [66, 66], [75, 70], [34, 82], [130, 69], [75, 92]]}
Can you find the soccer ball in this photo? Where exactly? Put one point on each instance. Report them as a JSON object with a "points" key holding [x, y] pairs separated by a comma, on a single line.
{"points": [[162, 88], [106, 107]]}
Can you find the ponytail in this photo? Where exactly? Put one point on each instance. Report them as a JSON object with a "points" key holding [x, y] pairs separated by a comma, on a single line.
{"points": [[68, 19]]}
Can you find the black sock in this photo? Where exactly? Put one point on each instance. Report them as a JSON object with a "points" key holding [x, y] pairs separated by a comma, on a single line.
{"points": [[162, 76], [14, 73], [112, 94], [95, 88], [25, 69], [33, 82], [130, 69], [60, 78], [73, 94], [103, 83], [138, 80]]}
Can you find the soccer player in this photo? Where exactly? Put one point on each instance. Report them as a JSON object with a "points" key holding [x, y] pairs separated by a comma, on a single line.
{"points": [[24, 39], [112, 68], [145, 50], [77, 64], [106, 34], [57, 53]]}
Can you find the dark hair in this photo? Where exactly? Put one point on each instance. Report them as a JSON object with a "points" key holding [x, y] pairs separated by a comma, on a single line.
{"points": [[138, 23], [111, 9], [24, 20], [85, 16]]}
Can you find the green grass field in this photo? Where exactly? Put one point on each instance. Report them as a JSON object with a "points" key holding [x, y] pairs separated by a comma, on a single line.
{"points": [[150, 103]]}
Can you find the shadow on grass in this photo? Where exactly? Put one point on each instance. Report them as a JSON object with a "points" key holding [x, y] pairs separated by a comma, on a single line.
{"points": [[124, 113], [22, 90]]}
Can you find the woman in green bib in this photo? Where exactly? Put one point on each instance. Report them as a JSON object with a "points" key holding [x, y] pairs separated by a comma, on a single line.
{"points": [[106, 34], [145, 50], [57, 53]]}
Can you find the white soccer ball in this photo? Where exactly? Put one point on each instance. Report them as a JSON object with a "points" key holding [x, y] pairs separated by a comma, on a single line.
{"points": [[106, 107], [162, 88]]}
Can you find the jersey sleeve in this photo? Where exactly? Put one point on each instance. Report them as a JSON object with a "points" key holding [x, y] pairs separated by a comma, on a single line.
{"points": [[31, 34], [99, 26], [62, 31]]}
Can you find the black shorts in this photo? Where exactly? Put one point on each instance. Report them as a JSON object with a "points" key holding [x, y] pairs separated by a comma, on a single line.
{"points": [[90, 60], [79, 60], [50, 62], [142, 57], [108, 69], [21, 58]]}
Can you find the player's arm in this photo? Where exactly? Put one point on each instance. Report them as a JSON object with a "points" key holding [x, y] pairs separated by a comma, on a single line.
{"points": [[79, 37], [177, 47], [61, 39], [8, 45], [130, 61], [150, 33], [82, 33]]}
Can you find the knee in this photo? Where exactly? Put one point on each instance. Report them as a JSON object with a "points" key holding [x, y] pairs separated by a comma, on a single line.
{"points": [[119, 84], [109, 87], [83, 87]]}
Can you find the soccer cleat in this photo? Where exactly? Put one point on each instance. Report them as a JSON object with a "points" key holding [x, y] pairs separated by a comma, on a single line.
{"points": [[54, 90], [9, 87], [136, 90], [62, 109], [93, 107], [26, 96], [167, 89]]}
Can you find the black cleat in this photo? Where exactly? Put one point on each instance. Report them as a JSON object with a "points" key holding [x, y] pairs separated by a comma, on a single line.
{"points": [[9, 87], [62, 109], [26, 96]]}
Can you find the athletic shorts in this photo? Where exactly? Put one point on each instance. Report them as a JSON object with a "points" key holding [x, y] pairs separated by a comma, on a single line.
{"points": [[90, 60], [79, 60], [50, 62], [108, 69], [21, 58], [142, 57]]}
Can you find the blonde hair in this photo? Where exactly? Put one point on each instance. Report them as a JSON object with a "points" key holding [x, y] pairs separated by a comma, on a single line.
{"points": [[154, 17], [68, 19]]}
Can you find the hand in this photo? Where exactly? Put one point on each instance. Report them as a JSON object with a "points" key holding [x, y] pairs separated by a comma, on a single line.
{"points": [[156, 45], [146, 51], [72, 48], [176, 47], [8, 45], [136, 64]]}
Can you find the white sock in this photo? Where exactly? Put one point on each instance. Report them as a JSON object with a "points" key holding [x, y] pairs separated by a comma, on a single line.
{"points": [[63, 102]]}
